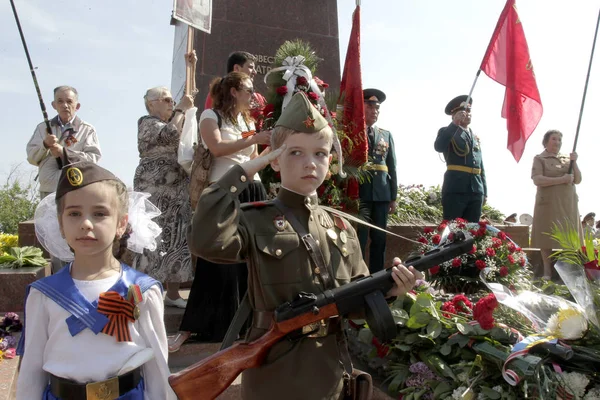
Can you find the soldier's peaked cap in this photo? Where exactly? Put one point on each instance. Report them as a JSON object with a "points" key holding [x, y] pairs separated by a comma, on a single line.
{"points": [[373, 96], [457, 104]]}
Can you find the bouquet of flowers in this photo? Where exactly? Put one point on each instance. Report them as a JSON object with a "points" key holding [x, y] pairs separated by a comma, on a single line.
{"points": [[493, 251]]}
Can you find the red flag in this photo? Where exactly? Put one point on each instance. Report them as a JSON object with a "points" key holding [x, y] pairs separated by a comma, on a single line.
{"points": [[351, 97], [507, 62]]}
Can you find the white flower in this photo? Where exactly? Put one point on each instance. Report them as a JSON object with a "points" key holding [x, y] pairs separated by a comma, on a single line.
{"points": [[457, 394], [335, 168], [432, 196], [462, 377], [567, 323], [575, 383], [497, 388], [593, 394]]}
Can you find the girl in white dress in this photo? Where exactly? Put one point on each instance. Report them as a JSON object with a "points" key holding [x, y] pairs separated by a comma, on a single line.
{"points": [[95, 329]]}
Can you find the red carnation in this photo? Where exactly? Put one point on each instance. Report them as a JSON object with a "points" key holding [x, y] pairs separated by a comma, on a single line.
{"points": [[490, 252], [382, 350], [483, 310], [436, 239], [503, 271], [282, 90], [428, 229], [442, 226], [522, 262], [511, 259], [502, 235], [462, 304], [449, 308], [434, 270], [269, 110], [473, 232], [481, 232], [422, 240], [301, 81], [482, 224], [519, 249], [451, 236], [460, 220], [313, 96], [473, 250], [457, 262], [480, 264], [511, 247], [496, 243]]}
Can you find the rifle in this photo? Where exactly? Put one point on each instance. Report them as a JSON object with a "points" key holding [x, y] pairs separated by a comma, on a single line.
{"points": [[211, 376]]}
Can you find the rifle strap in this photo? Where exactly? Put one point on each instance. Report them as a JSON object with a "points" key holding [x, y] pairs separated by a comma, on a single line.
{"points": [[320, 268], [240, 317]]}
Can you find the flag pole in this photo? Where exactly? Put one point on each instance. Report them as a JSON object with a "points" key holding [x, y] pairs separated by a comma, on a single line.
{"points": [[35, 82], [190, 71], [473, 86], [587, 79]]}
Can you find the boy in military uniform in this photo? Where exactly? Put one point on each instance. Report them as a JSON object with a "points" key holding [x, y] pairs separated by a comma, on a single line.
{"points": [[378, 193], [464, 191], [271, 238]]}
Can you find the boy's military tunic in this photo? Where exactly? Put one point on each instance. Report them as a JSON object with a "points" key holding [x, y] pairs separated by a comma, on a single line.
{"points": [[279, 267], [464, 187], [377, 193]]}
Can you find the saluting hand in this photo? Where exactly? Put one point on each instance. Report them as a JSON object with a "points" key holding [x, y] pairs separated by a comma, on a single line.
{"points": [[405, 278], [256, 164]]}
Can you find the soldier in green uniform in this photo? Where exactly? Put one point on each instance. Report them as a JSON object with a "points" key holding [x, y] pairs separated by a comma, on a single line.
{"points": [[377, 194], [464, 191], [267, 235]]}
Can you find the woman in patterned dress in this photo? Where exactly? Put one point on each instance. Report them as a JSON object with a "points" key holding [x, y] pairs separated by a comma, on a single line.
{"points": [[159, 174]]}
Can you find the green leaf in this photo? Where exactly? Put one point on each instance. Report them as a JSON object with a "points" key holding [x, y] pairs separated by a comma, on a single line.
{"points": [[442, 390], [418, 320], [403, 347], [490, 393], [445, 349], [398, 380], [411, 338], [434, 328], [465, 329]]}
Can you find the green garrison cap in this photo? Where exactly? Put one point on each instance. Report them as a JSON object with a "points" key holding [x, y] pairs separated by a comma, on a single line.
{"points": [[301, 116], [76, 174]]}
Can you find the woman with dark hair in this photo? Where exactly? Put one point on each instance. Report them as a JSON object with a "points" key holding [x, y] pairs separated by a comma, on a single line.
{"points": [[228, 132], [556, 198]]}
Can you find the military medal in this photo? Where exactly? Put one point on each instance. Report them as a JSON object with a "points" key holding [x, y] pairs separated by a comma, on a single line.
{"points": [[331, 233], [134, 296], [343, 237], [279, 222], [340, 223]]}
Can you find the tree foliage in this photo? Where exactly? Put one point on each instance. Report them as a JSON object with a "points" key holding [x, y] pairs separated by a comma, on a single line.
{"points": [[18, 200]]}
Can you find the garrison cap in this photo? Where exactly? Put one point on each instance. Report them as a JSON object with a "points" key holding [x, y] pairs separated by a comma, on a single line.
{"points": [[373, 96], [301, 116], [456, 104], [77, 173]]}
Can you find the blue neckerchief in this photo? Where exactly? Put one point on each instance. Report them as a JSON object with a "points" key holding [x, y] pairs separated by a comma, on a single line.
{"points": [[62, 290]]}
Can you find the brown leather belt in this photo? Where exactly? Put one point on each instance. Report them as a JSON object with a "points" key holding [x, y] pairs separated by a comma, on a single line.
{"points": [[322, 328], [462, 168], [110, 389]]}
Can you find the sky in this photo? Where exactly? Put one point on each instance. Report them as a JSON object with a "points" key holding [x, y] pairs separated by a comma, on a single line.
{"points": [[421, 53]]}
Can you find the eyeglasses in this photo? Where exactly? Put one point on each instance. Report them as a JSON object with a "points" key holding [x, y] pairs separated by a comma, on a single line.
{"points": [[247, 89], [167, 100]]}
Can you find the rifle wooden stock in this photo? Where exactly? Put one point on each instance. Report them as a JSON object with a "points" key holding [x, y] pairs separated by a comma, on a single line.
{"points": [[210, 377]]}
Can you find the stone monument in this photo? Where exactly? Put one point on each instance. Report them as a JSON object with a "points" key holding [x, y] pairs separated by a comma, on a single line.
{"points": [[260, 27]]}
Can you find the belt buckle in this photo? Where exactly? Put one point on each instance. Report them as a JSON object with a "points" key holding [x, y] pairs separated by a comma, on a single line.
{"points": [[316, 329], [104, 390]]}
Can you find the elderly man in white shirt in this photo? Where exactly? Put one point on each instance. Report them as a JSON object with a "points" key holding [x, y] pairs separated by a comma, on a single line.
{"points": [[68, 130]]}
